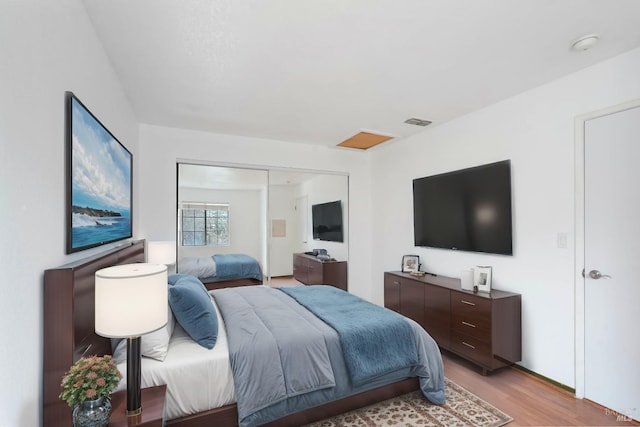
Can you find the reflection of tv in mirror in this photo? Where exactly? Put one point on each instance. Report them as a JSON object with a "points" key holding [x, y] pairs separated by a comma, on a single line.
{"points": [[327, 221], [99, 171]]}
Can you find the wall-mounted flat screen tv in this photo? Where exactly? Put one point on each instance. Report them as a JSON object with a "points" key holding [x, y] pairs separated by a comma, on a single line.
{"points": [[466, 210], [327, 221], [98, 181]]}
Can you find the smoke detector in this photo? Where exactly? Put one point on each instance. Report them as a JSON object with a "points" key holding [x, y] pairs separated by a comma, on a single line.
{"points": [[585, 42]]}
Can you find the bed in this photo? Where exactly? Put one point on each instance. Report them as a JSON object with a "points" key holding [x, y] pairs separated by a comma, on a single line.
{"points": [[223, 270], [69, 334]]}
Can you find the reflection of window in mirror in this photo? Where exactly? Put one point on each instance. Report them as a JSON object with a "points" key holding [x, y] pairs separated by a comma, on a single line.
{"points": [[204, 224]]}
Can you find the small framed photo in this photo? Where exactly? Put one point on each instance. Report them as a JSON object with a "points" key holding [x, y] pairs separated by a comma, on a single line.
{"points": [[410, 263], [482, 278]]}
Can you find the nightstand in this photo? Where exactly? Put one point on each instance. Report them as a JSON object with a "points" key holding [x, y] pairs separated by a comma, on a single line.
{"points": [[152, 401]]}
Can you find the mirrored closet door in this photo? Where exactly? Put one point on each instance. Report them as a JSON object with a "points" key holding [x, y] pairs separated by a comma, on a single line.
{"points": [[264, 213]]}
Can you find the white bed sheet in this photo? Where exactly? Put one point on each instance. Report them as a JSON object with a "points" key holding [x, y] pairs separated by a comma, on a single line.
{"points": [[201, 267], [197, 379]]}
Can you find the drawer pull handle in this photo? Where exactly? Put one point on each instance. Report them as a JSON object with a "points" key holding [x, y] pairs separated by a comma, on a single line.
{"points": [[468, 324], [467, 302], [468, 345], [396, 283]]}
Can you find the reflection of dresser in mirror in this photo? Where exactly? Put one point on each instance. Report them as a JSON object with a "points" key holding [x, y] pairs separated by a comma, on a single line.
{"points": [[309, 270]]}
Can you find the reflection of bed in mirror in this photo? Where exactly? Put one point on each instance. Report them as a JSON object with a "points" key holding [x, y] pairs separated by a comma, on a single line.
{"points": [[69, 334], [223, 270]]}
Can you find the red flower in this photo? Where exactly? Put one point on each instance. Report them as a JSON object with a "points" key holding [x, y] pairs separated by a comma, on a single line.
{"points": [[91, 393]]}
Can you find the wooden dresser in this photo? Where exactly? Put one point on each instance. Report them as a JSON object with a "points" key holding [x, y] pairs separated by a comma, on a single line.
{"points": [[483, 328], [311, 271]]}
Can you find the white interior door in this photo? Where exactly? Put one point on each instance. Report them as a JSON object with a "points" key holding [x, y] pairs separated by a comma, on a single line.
{"points": [[612, 262]]}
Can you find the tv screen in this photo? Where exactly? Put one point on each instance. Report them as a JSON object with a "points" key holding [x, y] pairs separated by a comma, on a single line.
{"points": [[467, 210], [327, 221], [98, 187]]}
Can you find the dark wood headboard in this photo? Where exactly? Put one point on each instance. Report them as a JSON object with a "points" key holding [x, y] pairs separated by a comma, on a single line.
{"points": [[69, 333]]}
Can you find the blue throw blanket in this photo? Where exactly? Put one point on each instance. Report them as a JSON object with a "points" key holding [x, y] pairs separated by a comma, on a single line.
{"points": [[237, 266], [374, 340]]}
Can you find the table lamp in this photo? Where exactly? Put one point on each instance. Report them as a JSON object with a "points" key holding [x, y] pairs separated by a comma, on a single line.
{"points": [[161, 252], [130, 301]]}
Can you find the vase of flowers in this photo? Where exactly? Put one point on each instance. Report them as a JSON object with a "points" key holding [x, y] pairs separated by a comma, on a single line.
{"points": [[92, 413], [86, 388]]}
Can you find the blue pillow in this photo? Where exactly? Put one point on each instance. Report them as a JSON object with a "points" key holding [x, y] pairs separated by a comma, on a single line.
{"points": [[172, 279], [192, 308]]}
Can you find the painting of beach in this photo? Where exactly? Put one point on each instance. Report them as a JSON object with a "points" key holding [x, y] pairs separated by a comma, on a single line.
{"points": [[100, 179]]}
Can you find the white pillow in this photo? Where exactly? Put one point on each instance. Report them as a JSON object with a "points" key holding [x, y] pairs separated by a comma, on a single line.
{"points": [[154, 345]]}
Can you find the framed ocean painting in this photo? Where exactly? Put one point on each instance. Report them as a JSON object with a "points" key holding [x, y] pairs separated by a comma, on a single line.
{"points": [[98, 181]]}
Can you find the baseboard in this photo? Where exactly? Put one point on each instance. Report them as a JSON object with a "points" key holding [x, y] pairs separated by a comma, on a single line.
{"points": [[545, 379]]}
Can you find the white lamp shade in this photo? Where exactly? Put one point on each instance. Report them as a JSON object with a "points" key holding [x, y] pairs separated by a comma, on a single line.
{"points": [[130, 300], [161, 252]]}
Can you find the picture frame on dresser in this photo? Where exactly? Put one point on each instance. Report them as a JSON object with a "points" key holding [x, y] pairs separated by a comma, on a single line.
{"points": [[410, 263], [482, 278]]}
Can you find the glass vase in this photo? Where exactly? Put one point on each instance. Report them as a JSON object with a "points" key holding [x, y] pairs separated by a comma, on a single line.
{"points": [[92, 413]]}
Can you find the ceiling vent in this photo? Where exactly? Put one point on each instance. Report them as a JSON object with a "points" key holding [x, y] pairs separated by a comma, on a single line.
{"points": [[364, 140], [417, 122]]}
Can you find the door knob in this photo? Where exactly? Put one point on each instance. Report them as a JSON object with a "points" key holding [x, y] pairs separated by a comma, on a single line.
{"points": [[595, 274]]}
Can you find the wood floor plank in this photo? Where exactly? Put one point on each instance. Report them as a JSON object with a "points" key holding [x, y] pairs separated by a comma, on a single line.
{"points": [[529, 400]]}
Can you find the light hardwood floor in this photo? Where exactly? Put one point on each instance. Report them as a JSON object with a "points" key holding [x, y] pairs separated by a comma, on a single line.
{"points": [[528, 400], [284, 281]]}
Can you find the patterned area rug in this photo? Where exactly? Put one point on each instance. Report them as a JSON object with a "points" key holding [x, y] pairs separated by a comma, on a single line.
{"points": [[462, 408]]}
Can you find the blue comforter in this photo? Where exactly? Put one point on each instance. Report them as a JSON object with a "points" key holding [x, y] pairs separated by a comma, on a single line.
{"points": [[275, 375], [374, 340], [236, 266]]}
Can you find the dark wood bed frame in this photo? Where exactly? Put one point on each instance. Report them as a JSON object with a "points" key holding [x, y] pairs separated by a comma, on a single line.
{"points": [[231, 283], [69, 334]]}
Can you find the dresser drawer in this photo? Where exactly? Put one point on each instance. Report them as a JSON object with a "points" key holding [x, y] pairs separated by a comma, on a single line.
{"points": [[478, 327], [473, 305], [472, 348]]}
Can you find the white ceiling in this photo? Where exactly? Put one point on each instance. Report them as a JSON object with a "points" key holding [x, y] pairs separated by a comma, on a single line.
{"points": [[319, 71]]}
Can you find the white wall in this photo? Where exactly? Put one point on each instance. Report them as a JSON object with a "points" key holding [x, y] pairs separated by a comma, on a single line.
{"points": [[246, 221], [162, 147], [536, 131], [46, 49]]}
